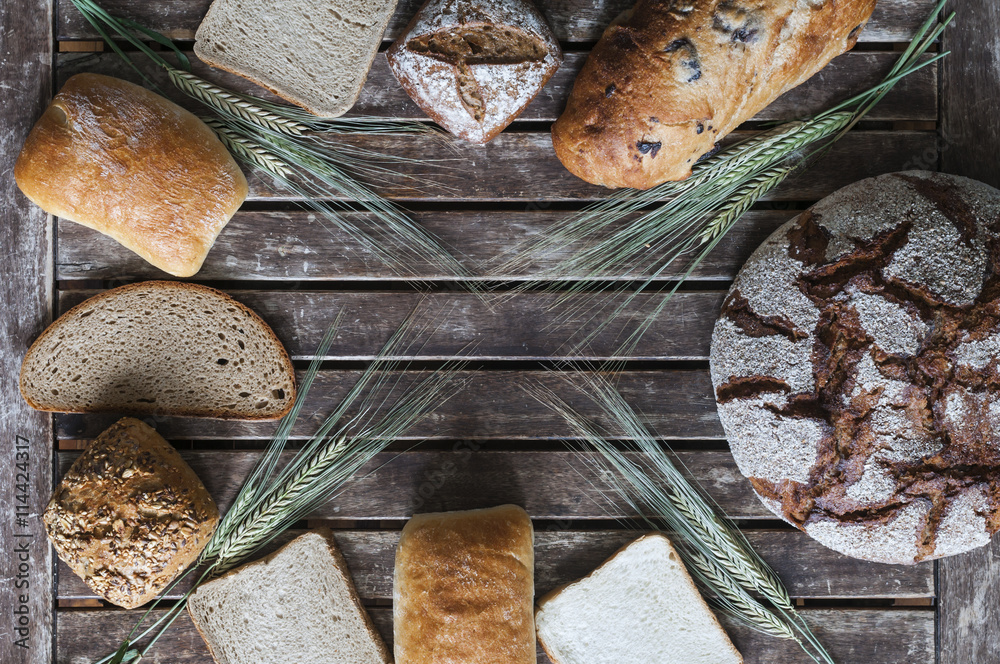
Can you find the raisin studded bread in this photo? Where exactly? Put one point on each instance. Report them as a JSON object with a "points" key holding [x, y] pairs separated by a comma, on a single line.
{"points": [[666, 84], [474, 65], [129, 515], [160, 348], [856, 365]]}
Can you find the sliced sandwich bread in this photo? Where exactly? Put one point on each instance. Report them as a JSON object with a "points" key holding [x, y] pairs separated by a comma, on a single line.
{"points": [[296, 605], [314, 53], [160, 348], [639, 606]]}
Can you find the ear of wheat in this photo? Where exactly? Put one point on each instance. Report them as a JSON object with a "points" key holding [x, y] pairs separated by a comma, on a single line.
{"points": [[379, 408], [285, 143], [736, 579], [677, 224]]}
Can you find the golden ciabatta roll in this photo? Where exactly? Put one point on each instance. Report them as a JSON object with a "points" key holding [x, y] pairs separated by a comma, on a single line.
{"points": [[666, 84], [463, 588], [124, 161]]}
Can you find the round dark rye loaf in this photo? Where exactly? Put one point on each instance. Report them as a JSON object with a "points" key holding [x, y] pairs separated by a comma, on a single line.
{"points": [[855, 365]]}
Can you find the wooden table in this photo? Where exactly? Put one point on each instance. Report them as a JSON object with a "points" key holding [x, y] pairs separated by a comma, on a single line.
{"points": [[491, 444]]}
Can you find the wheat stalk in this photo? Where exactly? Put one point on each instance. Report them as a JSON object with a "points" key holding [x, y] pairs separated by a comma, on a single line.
{"points": [[269, 501], [713, 548], [687, 218], [232, 103], [277, 139]]}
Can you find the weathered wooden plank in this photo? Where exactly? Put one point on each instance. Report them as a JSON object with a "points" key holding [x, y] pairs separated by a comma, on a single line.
{"points": [[894, 20], [491, 405], [26, 573], [550, 485], [809, 570], [914, 98], [280, 246], [522, 167], [851, 635], [969, 610], [467, 325]]}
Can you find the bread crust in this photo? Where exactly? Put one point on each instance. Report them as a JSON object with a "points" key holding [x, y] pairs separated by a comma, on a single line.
{"points": [[54, 329], [855, 362], [115, 157], [668, 82], [463, 588], [433, 83], [130, 514], [555, 592], [342, 567]]}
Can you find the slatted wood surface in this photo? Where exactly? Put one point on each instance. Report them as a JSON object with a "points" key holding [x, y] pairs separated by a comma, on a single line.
{"points": [[490, 444]]}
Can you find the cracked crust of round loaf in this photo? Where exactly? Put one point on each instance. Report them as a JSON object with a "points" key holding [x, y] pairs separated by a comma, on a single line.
{"points": [[856, 366]]}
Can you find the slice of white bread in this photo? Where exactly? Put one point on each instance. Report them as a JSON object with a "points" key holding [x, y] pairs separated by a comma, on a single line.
{"points": [[314, 53], [297, 605], [639, 606], [160, 348]]}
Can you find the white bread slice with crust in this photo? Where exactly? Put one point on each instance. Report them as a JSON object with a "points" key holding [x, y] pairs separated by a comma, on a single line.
{"points": [[314, 53], [296, 605], [160, 348], [640, 605]]}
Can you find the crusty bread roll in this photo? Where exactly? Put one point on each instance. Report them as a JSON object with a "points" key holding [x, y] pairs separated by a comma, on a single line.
{"points": [[124, 161], [130, 514], [856, 364], [474, 65], [664, 86], [463, 588]]}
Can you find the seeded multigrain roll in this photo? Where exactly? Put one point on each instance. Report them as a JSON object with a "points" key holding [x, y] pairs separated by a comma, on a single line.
{"points": [[672, 77], [856, 365], [130, 515]]}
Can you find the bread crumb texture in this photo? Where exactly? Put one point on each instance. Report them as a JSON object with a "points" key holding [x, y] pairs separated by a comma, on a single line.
{"points": [[129, 515], [296, 606], [639, 606], [856, 365], [314, 53], [160, 348]]}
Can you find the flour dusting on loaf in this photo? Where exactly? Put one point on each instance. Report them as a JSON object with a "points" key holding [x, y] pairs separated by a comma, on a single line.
{"points": [[473, 66], [856, 364]]}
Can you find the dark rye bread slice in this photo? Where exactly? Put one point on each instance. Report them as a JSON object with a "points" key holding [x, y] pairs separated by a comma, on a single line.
{"points": [[160, 348], [855, 365]]}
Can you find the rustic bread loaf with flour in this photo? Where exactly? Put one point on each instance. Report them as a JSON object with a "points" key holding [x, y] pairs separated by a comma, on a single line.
{"points": [[160, 348], [295, 606], [124, 161], [314, 53], [667, 82], [463, 588], [856, 365], [640, 605], [474, 65], [129, 515]]}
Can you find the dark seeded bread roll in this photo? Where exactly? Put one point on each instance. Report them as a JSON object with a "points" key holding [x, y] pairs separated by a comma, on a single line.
{"points": [[130, 515], [856, 364], [666, 84]]}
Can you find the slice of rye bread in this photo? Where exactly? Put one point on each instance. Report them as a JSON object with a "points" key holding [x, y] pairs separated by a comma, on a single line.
{"points": [[160, 348], [314, 53], [296, 605], [639, 606]]}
